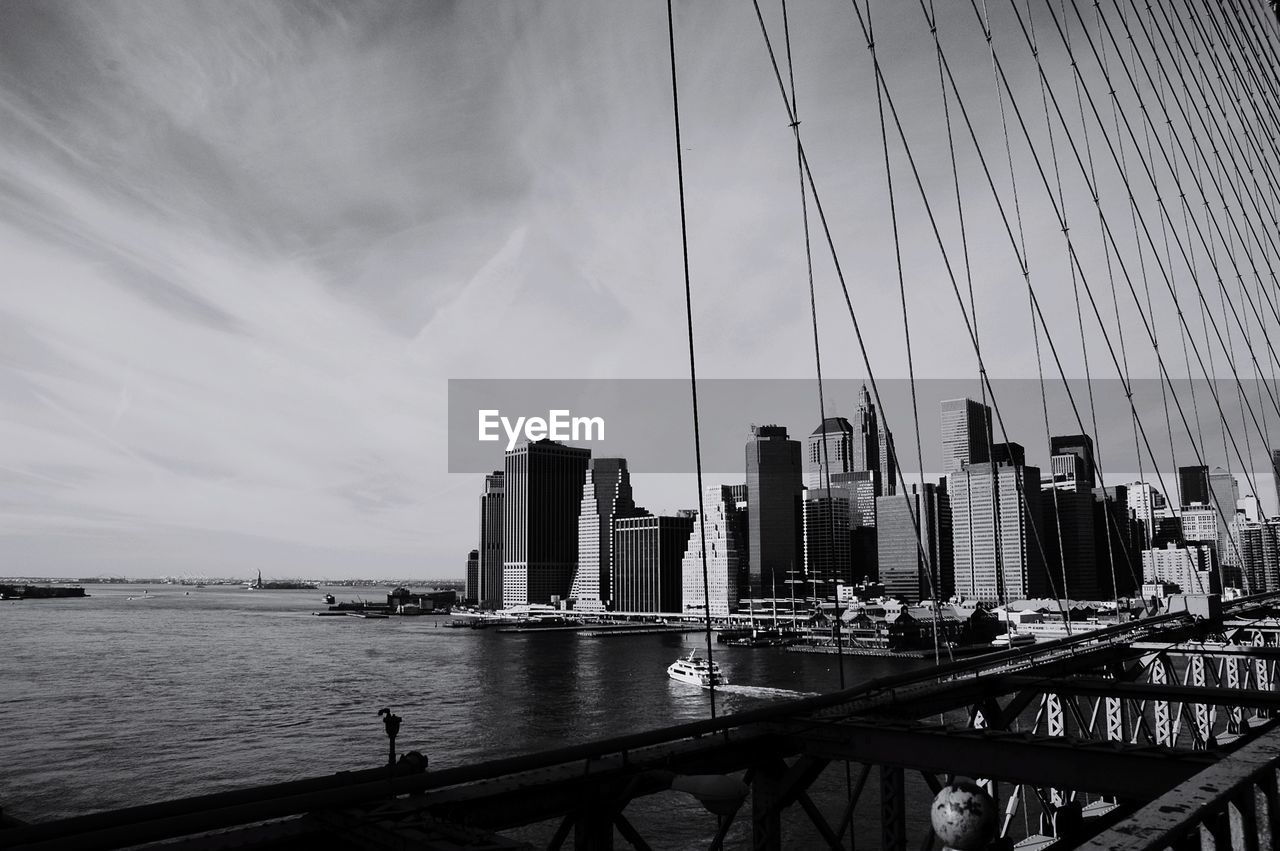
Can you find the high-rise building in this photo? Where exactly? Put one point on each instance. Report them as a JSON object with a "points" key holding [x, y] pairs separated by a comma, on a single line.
{"points": [[1081, 446], [1193, 485], [1270, 554], [1200, 524], [1119, 538], [1275, 473], [648, 551], [724, 542], [606, 496], [996, 539], [774, 486], [1148, 505], [473, 576], [828, 539], [1224, 493], [838, 435], [489, 587], [916, 568], [1066, 473], [1193, 567], [543, 482], [1243, 563], [966, 434], [861, 487], [1069, 540]]}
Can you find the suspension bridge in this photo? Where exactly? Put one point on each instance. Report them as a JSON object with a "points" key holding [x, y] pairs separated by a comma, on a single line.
{"points": [[1144, 139]]}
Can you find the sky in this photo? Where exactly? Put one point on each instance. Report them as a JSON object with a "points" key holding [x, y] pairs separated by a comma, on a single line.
{"points": [[247, 245]]}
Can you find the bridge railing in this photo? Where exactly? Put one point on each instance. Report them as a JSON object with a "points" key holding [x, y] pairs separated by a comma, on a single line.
{"points": [[1233, 804]]}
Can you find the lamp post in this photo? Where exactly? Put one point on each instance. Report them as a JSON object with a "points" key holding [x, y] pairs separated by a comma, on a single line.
{"points": [[392, 724]]}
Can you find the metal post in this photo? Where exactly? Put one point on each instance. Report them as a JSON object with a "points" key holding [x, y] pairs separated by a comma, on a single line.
{"points": [[893, 808]]}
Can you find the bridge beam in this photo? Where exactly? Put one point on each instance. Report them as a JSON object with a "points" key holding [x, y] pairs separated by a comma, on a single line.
{"points": [[1127, 772]]}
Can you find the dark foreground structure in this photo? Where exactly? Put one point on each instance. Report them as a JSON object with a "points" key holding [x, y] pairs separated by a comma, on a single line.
{"points": [[1152, 734]]}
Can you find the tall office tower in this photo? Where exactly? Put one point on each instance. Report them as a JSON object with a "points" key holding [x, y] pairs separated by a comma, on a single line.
{"points": [[828, 540], [606, 496], [1200, 524], [1009, 453], [863, 445], [1168, 531], [861, 487], [838, 435], [1193, 485], [1069, 541], [648, 551], [1270, 554], [995, 515], [723, 541], [543, 484], [966, 433], [1224, 493], [1066, 473], [912, 568], [1192, 567], [473, 576], [1148, 505], [873, 445], [1250, 506], [1119, 540], [1243, 563], [489, 589], [1081, 446], [1275, 473], [774, 486]]}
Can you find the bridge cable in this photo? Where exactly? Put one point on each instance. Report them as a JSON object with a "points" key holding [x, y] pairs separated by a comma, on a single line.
{"points": [[835, 257], [906, 333], [1186, 256], [1110, 234], [1004, 217], [693, 374], [813, 315]]}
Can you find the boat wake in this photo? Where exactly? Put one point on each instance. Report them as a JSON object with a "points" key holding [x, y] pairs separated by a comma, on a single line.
{"points": [[765, 691]]}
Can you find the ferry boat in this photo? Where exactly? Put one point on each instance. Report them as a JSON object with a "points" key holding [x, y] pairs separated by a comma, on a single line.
{"points": [[1013, 639], [696, 671]]}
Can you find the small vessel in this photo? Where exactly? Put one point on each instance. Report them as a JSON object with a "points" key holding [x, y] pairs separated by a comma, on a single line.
{"points": [[696, 671], [330, 599], [1013, 639]]}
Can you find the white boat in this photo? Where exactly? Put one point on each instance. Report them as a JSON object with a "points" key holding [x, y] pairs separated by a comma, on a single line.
{"points": [[1013, 639], [696, 671]]}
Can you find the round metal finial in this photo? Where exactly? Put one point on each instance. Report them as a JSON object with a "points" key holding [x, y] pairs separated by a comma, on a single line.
{"points": [[963, 815]]}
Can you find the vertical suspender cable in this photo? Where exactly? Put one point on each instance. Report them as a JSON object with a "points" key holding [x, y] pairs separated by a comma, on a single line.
{"points": [[693, 372]]}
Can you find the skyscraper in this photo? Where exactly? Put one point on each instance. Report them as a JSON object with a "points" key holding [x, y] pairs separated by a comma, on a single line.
{"points": [[606, 496], [774, 485], [1224, 493], [904, 571], [1193, 485], [489, 587], [1148, 505], [472, 587], [995, 515], [1275, 472], [828, 557], [838, 434], [648, 552], [966, 434], [1193, 567], [724, 539], [543, 484], [1069, 539], [1081, 446]]}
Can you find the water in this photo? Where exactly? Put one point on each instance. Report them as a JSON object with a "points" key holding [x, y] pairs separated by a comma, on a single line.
{"points": [[128, 697]]}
